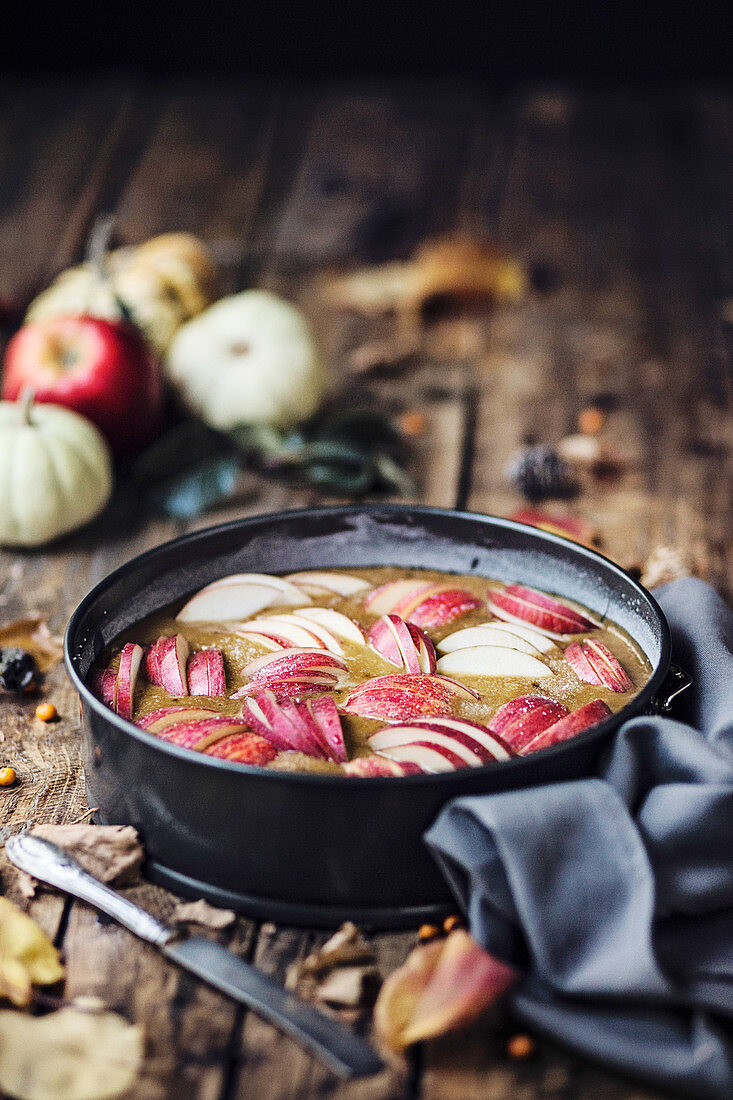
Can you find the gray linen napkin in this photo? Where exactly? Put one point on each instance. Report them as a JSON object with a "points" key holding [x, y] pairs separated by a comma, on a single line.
{"points": [[615, 893]]}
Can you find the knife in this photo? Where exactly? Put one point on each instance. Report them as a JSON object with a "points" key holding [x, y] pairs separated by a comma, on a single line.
{"points": [[344, 1052]]}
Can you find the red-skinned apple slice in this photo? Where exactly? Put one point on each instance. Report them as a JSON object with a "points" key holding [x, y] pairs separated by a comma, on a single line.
{"points": [[526, 727], [428, 757], [494, 634], [130, 659], [371, 767], [516, 602], [104, 685], [606, 666], [152, 664], [494, 744], [172, 654], [161, 719], [326, 716], [290, 661], [493, 660], [460, 739], [513, 709], [205, 672], [328, 584], [569, 726], [384, 599], [284, 629], [239, 597], [402, 644], [437, 605], [576, 657], [289, 726], [201, 731], [340, 625], [243, 748], [404, 696]]}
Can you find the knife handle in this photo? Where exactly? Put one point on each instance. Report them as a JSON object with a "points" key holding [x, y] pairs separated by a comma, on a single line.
{"points": [[51, 864]]}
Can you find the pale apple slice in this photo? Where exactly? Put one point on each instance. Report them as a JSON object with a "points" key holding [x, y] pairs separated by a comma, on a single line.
{"points": [[172, 656], [493, 660], [265, 640], [284, 629], [482, 636], [127, 673], [205, 672], [239, 597], [515, 637], [494, 744], [340, 625], [384, 599], [328, 584], [376, 767]]}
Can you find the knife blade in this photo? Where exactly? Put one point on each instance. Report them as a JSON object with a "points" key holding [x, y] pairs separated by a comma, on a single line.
{"points": [[346, 1053]]}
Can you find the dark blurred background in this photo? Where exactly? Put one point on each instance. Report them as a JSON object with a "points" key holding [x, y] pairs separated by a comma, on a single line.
{"points": [[501, 42]]}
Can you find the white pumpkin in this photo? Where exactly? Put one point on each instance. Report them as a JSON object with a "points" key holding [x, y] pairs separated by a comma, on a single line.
{"points": [[55, 472], [248, 359]]}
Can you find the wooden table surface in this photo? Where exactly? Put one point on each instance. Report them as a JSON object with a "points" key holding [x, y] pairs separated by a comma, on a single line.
{"points": [[619, 202]]}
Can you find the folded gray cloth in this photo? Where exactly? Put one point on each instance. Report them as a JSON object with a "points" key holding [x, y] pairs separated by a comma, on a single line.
{"points": [[614, 894]]}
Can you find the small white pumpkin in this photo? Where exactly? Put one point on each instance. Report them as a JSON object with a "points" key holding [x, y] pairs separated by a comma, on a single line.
{"points": [[248, 359], [55, 472]]}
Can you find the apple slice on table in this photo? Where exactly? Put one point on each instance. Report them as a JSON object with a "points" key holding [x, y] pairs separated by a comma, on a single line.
{"points": [[335, 622], [240, 596], [472, 744], [205, 672], [525, 640], [371, 767], [525, 727], [130, 659], [493, 660], [328, 584], [405, 695], [402, 644], [517, 602], [569, 726], [166, 661], [606, 667]]}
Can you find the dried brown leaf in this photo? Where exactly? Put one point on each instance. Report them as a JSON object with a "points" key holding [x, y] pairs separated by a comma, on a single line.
{"points": [[443, 985], [201, 913], [68, 1055], [665, 564], [113, 853], [27, 956], [33, 635]]}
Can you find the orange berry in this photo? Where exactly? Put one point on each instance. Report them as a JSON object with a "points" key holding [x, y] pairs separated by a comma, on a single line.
{"points": [[412, 423], [428, 932], [451, 922], [591, 420], [7, 777], [520, 1046], [46, 712]]}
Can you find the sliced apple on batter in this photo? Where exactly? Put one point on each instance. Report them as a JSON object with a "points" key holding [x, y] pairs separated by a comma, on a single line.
{"points": [[572, 724], [239, 596], [519, 603], [321, 584], [205, 671], [406, 695], [460, 743], [402, 644], [522, 638], [493, 660]]}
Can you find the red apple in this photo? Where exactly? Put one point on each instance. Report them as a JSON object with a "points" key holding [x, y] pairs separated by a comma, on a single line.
{"points": [[101, 369]]}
